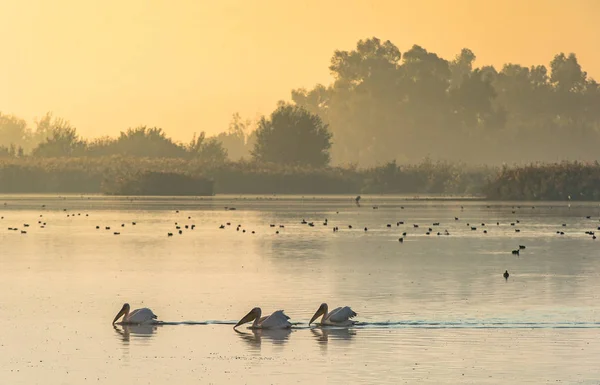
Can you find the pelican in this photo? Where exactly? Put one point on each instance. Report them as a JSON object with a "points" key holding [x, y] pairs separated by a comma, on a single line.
{"points": [[338, 317], [277, 320], [136, 317]]}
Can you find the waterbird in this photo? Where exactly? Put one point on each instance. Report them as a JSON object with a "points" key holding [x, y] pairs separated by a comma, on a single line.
{"points": [[340, 316], [277, 320], [401, 240], [515, 252], [138, 316], [522, 247], [506, 275]]}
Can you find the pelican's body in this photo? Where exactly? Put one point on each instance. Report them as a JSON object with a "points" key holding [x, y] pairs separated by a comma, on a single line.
{"points": [[277, 320], [136, 317], [340, 316]]}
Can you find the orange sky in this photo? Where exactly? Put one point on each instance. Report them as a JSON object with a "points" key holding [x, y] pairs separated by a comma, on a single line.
{"points": [[188, 65]]}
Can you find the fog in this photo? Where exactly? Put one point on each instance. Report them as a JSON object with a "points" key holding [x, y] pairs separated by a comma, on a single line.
{"points": [[466, 81]]}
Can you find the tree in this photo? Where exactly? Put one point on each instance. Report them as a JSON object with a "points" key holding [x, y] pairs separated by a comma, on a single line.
{"points": [[147, 142], [207, 150], [234, 140], [46, 126], [62, 142], [567, 75], [292, 136], [14, 130]]}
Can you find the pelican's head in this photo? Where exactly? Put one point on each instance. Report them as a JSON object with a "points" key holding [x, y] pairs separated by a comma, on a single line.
{"points": [[251, 316], [322, 310], [124, 310]]}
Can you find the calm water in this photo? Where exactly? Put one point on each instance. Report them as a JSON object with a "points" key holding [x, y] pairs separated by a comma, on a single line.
{"points": [[434, 309]]}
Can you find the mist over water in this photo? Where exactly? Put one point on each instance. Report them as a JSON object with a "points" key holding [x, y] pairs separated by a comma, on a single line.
{"points": [[434, 309]]}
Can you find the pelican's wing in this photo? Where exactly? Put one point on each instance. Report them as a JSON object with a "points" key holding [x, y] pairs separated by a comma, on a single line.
{"points": [[140, 316], [277, 320], [341, 314]]}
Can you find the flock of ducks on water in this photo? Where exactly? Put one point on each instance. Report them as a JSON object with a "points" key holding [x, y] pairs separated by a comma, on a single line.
{"points": [[341, 317]]}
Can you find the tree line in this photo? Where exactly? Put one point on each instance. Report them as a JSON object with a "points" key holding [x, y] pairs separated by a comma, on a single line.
{"points": [[290, 136], [382, 106], [385, 105]]}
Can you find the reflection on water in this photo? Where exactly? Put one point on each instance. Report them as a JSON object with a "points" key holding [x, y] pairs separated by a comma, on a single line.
{"points": [[254, 337], [323, 334], [125, 331]]}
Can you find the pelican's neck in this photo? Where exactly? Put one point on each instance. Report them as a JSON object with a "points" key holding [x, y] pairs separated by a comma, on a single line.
{"points": [[324, 315], [126, 315], [255, 324]]}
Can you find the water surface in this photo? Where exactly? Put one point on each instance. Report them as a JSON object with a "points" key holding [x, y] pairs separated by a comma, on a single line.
{"points": [[433, 309]]}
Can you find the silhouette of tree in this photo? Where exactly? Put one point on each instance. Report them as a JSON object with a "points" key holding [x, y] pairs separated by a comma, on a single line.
{"points": [[206, 150], [147, 142], [14, 130], [292, 136], [62, 140], [234, 140]]}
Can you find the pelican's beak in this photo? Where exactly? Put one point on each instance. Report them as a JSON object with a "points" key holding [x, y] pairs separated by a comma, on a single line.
{"points": [[247, 318], [119, 315], [317, 314]]}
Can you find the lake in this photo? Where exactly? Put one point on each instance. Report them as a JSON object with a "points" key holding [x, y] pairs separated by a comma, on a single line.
{"points": [[433, 309]]}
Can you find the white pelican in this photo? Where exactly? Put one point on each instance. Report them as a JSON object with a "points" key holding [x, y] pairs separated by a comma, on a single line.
{"points": [[136, 317], [338, 317], [277, 320]]}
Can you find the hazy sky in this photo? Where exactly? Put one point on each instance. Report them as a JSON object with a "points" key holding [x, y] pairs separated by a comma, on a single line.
{"points": [[188, 65]]}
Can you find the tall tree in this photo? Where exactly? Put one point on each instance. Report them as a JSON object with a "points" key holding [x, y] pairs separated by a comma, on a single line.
{"points": [[292, 136]]}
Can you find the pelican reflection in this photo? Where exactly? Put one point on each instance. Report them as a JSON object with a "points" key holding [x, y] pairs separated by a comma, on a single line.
{"points": [[323, 334], [143, 331], [255, 336]]}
